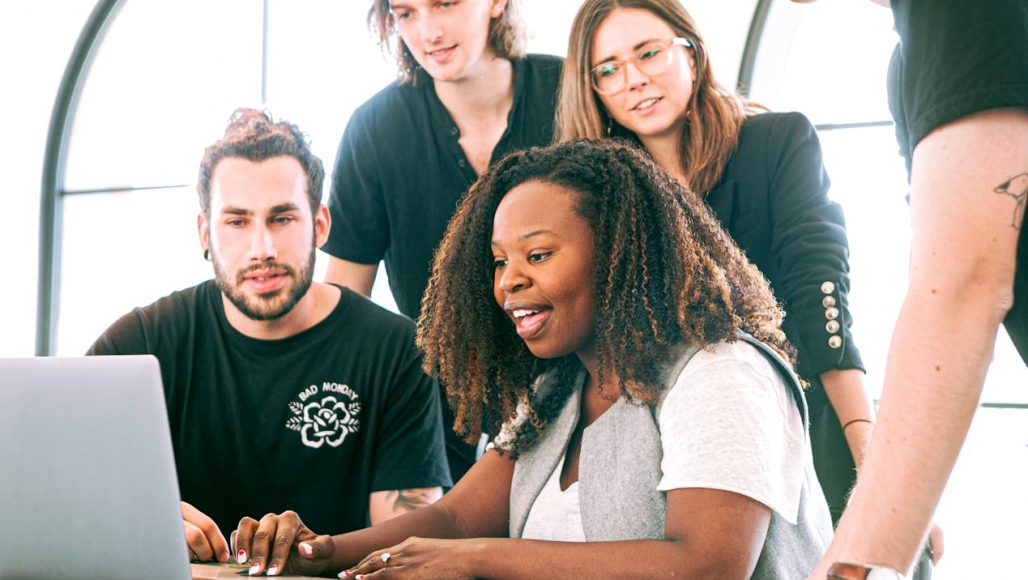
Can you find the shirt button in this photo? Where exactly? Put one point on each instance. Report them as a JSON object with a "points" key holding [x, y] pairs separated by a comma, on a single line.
{"points": [[828, 287], [835, 341], [461, 162], [832, 327], [454, 130], [828, 301], [831, 313]]}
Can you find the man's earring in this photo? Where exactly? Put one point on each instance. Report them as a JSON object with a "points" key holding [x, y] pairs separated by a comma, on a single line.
{"points": [[207, 254]]}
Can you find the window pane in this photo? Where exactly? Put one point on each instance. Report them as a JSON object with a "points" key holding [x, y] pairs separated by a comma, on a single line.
{"points": [[36, 39], [322, 64], [827, 59], [164, 81], [120, 251]]}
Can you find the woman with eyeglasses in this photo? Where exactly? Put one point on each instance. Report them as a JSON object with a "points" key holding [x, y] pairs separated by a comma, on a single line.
{"points": [[639, 69]]}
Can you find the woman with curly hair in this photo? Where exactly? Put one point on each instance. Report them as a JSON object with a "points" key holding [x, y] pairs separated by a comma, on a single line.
{"points": [[640, 70], [583, 301]]}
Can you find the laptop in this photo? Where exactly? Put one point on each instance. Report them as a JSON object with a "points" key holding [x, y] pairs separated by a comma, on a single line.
{"points": [[87, 474]]}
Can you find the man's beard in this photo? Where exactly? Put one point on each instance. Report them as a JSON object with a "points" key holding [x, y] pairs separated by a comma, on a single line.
{"points": [[271, 305]]}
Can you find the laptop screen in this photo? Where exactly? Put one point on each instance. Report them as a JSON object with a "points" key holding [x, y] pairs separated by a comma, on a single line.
{"points": [[87, 474]]}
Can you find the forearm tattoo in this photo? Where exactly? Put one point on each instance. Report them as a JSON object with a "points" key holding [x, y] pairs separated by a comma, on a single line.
{"points": [[1017, 188], [406, 500]]}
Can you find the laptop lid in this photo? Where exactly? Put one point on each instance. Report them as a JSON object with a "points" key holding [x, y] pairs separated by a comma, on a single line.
{"points": [[87, 474]]}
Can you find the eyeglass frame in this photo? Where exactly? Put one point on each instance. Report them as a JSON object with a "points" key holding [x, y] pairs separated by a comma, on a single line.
{"points": [[634, 59]]}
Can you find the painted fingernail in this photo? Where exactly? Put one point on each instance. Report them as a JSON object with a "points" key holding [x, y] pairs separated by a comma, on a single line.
{"points": [[344, 573], [241, 557], [307, 549], [255, 569], [273, 570], [359, 577]]}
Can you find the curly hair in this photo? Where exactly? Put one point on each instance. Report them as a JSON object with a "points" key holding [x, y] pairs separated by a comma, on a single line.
{"points": [[666, 275], [713, 119], [255, 135], [507, 37]]}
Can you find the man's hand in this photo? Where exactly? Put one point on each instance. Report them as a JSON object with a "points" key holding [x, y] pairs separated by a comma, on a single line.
{"points": [[203, 538], [282, 544], [937, 543]]}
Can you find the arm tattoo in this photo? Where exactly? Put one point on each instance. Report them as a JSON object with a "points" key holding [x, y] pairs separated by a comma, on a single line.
{"points": [[407, 500], [1017, 188]]}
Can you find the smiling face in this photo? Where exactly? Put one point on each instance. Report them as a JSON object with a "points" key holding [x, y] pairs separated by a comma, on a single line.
{"points": [[651, 107], [448, 39], [262, 235], [544, 264]]}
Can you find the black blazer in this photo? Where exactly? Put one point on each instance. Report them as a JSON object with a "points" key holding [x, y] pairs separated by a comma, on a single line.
{"points": [[773, 199]]}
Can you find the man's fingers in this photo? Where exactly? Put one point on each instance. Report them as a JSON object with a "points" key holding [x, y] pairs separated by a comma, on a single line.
{"points": [[197, 543], [213, 544], [937, 542]]}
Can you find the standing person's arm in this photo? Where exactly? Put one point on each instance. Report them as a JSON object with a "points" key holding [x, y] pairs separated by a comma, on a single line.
{"points": [[357, 277], [962, 263], [810, 253], [360, 225], [848, 396]]}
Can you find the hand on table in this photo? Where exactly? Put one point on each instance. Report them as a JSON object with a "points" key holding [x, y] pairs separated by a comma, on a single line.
{"points": [[203, 538], [281, 544], [415, 559]]}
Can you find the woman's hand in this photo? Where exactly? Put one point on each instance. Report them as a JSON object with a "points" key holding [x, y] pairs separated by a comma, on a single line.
{"points": [[281, 544], [418, 558]]}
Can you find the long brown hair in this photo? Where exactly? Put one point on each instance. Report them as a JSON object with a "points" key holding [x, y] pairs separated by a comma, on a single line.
{"points": [[713, 119], [666, 275], [507, 37]]}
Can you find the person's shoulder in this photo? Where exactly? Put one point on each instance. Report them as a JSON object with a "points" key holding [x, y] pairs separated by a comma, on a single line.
{"points": [[373, 319], [736, 352], [136, 330], [544, 61], [774, 121], [543, 69], [384, 104], [178, 301]]}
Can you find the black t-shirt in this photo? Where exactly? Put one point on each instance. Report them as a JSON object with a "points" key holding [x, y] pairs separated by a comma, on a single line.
{"points": [[400, 173], [956, 58], [313, 423]]}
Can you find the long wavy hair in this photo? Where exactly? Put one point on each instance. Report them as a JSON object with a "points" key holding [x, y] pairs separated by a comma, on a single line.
{"points": [[666, 275], [714, 115], [507, 37]]}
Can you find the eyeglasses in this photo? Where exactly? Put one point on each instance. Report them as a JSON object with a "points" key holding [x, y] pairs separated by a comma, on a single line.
{"points": [[652, 59]]}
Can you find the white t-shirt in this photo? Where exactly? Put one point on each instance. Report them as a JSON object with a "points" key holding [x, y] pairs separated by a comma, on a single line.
{"points": [[730, 423], [556, 514]]}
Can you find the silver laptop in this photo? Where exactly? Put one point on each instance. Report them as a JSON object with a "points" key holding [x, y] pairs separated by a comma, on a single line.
{"points": [[87, 474]]}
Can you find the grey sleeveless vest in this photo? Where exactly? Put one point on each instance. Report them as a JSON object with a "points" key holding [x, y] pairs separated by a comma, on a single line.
{"points": [[619, 470]]}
